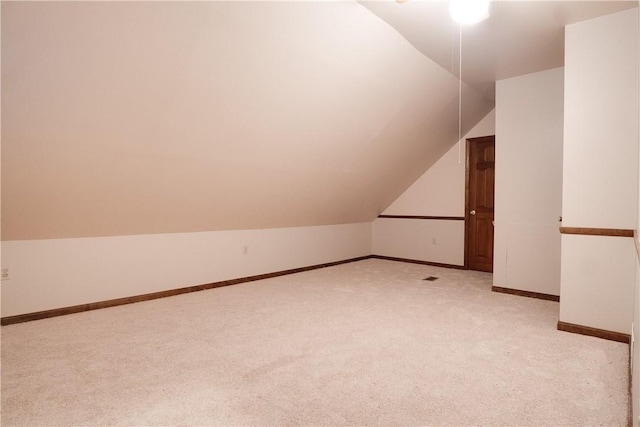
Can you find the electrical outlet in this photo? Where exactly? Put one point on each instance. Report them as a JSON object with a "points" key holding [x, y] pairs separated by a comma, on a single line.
{"points": [[245, 249], [5, 274], [434, 241]]}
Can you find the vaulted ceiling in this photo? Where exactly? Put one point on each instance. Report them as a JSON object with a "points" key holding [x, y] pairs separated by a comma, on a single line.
{"points": [[153, 117], [519, 37]]}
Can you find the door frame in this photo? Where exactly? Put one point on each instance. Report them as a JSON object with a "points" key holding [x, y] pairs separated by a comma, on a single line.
{"points": [[468, 142]]}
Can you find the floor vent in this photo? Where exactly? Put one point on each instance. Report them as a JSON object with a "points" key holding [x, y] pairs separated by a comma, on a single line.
{"points": [[430, 278]]}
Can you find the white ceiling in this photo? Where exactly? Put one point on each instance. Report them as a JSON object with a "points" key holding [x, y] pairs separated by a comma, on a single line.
{"points": [[520, 36]]}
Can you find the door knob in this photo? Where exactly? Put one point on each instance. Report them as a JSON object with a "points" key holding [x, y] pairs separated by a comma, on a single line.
{"points": [[473, 212]]}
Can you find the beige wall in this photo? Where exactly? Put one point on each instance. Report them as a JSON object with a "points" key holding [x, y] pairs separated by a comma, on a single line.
{"points": [[600, 170], [635, 328], [54, 273], [437, 241], [440, 191], [601, 125], [597, 282], [127, 118], [529, 131], [144, 144], [635, 349]]}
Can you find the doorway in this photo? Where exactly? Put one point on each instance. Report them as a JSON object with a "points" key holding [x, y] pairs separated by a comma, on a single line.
{"points": [[479, 202]]}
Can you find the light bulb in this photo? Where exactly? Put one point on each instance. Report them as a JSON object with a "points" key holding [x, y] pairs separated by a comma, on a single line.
{"points": [[467, 12]]}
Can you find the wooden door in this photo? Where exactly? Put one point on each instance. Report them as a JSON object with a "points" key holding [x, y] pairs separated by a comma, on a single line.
{"points": [[479, 198]]}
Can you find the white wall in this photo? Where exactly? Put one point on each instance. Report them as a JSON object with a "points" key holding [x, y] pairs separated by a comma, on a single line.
{"points": [[598, 273], [440, 241], [54, 273], [635, 348], [440, 191], [635, 330], [600, 170], [529, 129], [601, 122]]}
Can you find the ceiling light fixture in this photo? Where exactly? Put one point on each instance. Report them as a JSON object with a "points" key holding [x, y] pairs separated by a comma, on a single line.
{"points": [[467, 12]]}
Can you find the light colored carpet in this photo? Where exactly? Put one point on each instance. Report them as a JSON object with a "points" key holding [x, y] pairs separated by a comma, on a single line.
{"points": [[366, 343]]}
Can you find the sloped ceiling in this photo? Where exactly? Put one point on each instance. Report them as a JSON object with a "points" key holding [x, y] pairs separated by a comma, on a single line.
{"points": [[154, 117], [519, 37]]}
